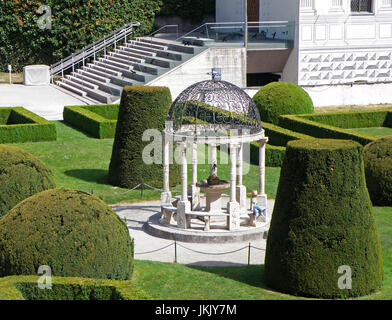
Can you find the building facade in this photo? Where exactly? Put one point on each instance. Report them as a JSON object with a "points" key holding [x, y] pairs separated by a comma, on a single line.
{"points": [[342, 52]]}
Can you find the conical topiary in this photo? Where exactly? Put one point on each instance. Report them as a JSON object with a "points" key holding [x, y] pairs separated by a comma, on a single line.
{"points": [[323, 220], [141, 108]]}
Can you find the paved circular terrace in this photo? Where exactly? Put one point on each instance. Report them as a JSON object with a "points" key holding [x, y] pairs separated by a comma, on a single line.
{"points": [[149, 247]]}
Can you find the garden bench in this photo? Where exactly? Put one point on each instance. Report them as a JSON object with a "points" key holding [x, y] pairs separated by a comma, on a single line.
{"points": [[167, 212], [206, 215]]}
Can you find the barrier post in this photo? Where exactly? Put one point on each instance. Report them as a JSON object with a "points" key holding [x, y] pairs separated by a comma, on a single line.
{"points": [[175, 251], [249, 254]]}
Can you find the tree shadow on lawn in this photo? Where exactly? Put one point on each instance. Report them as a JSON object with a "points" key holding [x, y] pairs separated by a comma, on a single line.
{"points": [[252, 275], [99, 176]]}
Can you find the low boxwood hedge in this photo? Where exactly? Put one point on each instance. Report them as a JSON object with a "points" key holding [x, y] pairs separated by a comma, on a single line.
{"points": [[98, 121], [20, 125], [69, 288], [308, 124]]}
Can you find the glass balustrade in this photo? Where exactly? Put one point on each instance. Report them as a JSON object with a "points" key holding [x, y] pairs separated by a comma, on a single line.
{"points": [[260, 35]]}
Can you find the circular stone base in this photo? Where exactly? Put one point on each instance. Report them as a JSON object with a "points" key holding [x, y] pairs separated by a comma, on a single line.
{"points": [[217, 234]]}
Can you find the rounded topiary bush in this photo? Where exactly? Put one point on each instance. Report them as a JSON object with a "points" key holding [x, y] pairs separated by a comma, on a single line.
{"points": [[378, 170], [73, 232], [21, 175], [323, 220], [280, 98], [141, 108]]}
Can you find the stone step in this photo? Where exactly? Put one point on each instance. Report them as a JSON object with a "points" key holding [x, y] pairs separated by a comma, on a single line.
{"points": [[118, 80], [71, 88], [148, 45], [92, 93], [80, 81], [173, 45], [106, 86]]}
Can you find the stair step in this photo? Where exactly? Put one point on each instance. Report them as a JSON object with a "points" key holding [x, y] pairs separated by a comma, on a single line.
{"points": [[106, 86], [93, 93], [123, 71], [148, 45], [118, 80], [71, 88], [173, 45], [92, 75], [136, 51], [103, 70], [115, 63], [119, 54], [81, 82]]}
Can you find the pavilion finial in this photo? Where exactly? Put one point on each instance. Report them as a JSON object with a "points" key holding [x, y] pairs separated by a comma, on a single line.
{"points": [[216, 74]]}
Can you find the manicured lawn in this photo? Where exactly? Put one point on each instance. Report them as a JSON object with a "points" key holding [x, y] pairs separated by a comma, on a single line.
{"points": [[81, 162], [377, 132], [173, 281]]}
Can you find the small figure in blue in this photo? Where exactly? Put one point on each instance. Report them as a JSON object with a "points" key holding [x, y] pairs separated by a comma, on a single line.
{"points": [[255, 207]]}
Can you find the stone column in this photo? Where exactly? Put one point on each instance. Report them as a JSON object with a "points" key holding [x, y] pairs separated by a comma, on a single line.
{"points": [[193, 190], [233, 207], [183, 205], [262, 197], [166, 195], [241, 189], [213, 159]]}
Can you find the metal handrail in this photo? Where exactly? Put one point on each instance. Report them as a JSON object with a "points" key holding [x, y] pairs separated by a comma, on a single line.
{"points": [[161, 28], [92, 49]]}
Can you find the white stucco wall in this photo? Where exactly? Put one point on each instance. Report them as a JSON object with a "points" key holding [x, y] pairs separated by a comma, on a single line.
{"points": [[232, 61]]}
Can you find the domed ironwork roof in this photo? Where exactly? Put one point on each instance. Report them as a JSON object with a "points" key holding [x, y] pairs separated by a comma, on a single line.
{"points": [[215, 104]]}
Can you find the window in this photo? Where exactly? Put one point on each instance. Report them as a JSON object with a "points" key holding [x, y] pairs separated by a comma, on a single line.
{"points": [[361, 5]]}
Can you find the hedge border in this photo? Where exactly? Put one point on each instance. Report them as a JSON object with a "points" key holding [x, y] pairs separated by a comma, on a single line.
{"points": [[34, 128], [91, 122], [10, 287], [312, 124]]}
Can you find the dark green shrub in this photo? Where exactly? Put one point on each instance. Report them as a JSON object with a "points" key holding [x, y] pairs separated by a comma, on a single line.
{"points": [[322, 220], [83, 22], [378, 170], [20, 125], [279, 98], [97, 120], [73, 232], [21, 175], [194, 10], [141, 108]]}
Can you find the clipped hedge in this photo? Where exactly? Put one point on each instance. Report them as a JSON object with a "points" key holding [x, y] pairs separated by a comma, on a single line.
{"points": [[322, 220], [279, 136], [378, 170], [99, 121], [301, 124], [24, 43], [73, 232], [20, 125], [141, 108], [69, 288], [195, 10], [21, 175], [279, 98]]}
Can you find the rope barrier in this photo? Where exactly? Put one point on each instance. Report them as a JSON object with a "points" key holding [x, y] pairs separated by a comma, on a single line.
{"points": [[146, 252], [212, 253], [261, 249]]}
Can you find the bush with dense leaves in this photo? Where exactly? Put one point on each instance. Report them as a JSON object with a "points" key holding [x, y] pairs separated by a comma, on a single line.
{"points": [[194, 10], [322, 220], [141, 108], [73, 232], [74, 25], [378, 170], [21, 175], [281, 98]]}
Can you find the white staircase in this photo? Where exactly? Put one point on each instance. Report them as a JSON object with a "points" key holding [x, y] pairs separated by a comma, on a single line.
{"points": [[136, 62]]}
